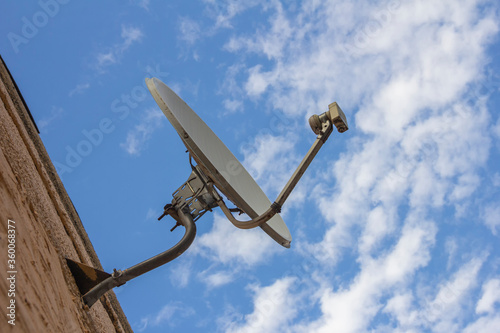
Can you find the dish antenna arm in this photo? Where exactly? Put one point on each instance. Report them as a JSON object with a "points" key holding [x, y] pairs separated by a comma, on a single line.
{"points": [[94, 283], [322, 125]]}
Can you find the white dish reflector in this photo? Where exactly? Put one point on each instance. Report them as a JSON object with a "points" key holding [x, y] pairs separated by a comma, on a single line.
{"points": [[219, 164]]}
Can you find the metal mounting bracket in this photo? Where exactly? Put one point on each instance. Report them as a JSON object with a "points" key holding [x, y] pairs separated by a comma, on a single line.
{"points": [[194, 194], [189, 203]]}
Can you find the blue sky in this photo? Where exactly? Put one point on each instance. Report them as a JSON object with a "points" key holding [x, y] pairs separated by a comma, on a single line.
{"points": [[395, 225]]}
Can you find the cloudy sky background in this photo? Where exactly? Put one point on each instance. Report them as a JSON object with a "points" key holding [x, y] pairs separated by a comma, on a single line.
{"points": [[395, 225]]}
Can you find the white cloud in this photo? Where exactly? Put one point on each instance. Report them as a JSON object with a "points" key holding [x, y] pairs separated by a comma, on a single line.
{"points": [[351, 309], [271, 42], [274, 307], [217, 279], [55, 113], [400, 307], [130, 35], [138, 137], [318, 66], [224, 11], [438, 308], [79, 89], [484, 324], [233, 106], [180, 274], [443, 313], [409, 78], [230, 87], [404, 73], [378, 225], [466, 185], [247, 247], [169, 314], [271, 160], [491, 216], [265, 153], [189, 30], [490, 297], [105, 59], [257, 81]]}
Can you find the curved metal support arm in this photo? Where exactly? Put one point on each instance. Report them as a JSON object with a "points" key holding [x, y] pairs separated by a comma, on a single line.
{"points": [[285, 193], [119, 278], [256, 222]]}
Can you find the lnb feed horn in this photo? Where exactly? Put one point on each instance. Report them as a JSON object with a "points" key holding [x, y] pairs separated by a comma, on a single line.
{"points": [[334, 115]]}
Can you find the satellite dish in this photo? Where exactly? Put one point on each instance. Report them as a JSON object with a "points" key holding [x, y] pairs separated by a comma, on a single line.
{"points": [[217, 162], [216, 170]]}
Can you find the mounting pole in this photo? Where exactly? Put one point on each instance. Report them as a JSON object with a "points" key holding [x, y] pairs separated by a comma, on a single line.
{"points": [[94, 283], [119, 278]]}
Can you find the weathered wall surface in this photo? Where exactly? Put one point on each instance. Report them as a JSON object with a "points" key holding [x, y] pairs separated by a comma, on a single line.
{"points": [[47, 230]]}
